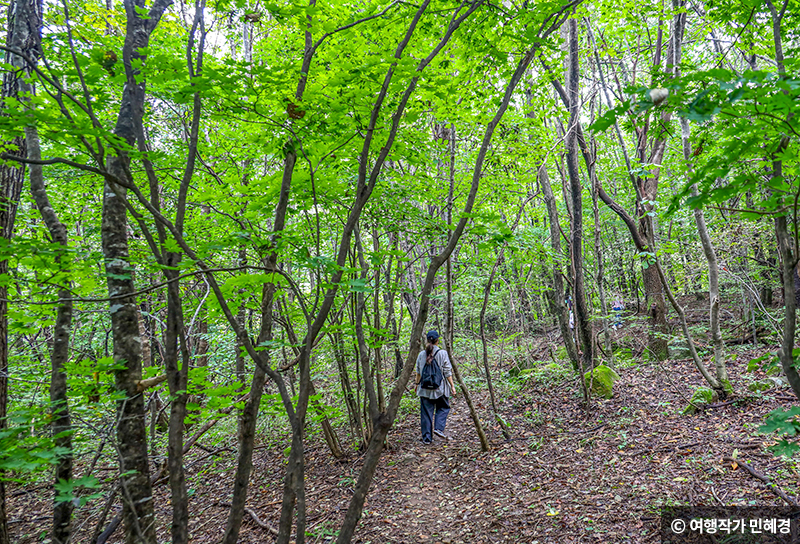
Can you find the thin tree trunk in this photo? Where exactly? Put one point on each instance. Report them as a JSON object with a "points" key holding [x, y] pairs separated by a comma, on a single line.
{"points": [[344, 378], [582, 318], [598, 241], [486, 291], [557, 296], [451, 147], [713, 271], [385, 420], [388, 300], [376, 317], [247, 425], [61, 425], [476, 420], [177, 379]]}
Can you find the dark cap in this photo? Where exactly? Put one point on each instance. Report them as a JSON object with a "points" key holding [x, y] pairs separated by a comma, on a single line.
{"points": [[433, 336]]}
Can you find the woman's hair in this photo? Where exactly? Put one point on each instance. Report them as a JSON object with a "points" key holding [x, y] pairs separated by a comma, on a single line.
{"points": [[429, 348]]}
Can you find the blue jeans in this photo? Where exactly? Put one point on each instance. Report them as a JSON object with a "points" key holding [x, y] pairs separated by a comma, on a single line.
{"points": [[441, 407]]}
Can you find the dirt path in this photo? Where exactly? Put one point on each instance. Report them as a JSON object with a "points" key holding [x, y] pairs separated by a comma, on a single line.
{"points": [[419, 489], [569, 476]]}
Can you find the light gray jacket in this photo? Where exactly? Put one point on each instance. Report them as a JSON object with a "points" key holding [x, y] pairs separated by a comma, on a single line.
{"points": [[447, 370]]}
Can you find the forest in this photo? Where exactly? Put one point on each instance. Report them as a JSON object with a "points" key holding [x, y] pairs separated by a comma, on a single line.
{"points": [[228, 226]]}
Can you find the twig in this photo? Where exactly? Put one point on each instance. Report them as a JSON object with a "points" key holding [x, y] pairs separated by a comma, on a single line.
{"points": [[753, 472], [721, 404], [262, 524]]}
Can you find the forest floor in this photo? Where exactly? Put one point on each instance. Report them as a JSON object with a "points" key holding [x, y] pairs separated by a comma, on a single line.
{"points": [[568, 474]]}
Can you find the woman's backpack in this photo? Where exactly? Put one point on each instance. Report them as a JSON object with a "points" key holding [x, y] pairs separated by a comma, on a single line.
{"points": [[431, 373]]}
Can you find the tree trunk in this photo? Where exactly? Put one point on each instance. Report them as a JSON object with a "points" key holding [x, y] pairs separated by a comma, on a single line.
{"points": [[247, 426], [385, 420], [713, 270], [557, 296], [486, 291], [177, 378], [344, 378], [247, 422], [136, 491], [785, 242], [137, 496], [388, 300], [451, 148], [61, 425], [376, 317], [24, 23], [582, 318]]}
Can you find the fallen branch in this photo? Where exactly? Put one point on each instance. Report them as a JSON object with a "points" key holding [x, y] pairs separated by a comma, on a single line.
{"points": [[262, 524], [753, 472], [721, 404]]}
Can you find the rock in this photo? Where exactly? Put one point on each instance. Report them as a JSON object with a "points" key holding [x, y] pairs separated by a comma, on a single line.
{"points": [[779, 382], [679, 349], [761, 385], [601, 381], [552, 367], [701, 397], [521, 367], [773, 370], [408, 458]]}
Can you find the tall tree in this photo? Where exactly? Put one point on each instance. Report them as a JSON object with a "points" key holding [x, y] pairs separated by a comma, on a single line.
{"points": [[582, 318], [22, 47], [135, 486]]}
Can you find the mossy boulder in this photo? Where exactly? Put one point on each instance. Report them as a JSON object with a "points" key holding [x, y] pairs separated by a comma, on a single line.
{"points": [[600, 381], [679, 349], [701, 397], [522, 366], [761, 385], [553, 367]]}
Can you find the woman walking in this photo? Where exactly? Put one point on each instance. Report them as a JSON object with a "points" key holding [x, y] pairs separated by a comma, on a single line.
{"points": [[434, 388]]}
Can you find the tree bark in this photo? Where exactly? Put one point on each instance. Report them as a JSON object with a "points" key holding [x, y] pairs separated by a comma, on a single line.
{"points": [[786, 246], [582, 317], [247, 425], [137, 497], [557, 296], [24, 23], [61, 425], [713, 271], [486, 291]]}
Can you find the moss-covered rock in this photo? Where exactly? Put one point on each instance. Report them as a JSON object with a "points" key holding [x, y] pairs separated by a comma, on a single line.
{"points": [[600, 381], [701, 397], [760, 385], [679, 349], [522, 367], [773, 370], [553, 367]]}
